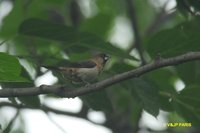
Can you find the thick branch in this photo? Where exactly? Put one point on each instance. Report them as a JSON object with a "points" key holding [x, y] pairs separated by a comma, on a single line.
{"points": [[73, 92]]}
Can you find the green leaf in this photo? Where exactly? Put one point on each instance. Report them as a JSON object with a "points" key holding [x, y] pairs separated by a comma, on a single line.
{"points": [[146, 95], [10, 69], [171, 42], [111, 7], [32, 101], [164, 80], [187, 113], [189, 72], [12, 21], [92, 25], [191, 96], [187, 104], [98, 101], [121, 96], [143, 92], [145, 14], [70, 36]]}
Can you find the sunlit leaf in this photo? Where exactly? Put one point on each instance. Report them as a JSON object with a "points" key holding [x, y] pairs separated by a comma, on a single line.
{"points": [[10, 69], [32, 101]]}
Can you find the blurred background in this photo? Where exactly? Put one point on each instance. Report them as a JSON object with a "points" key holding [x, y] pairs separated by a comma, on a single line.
{"points": [[128, 30]]}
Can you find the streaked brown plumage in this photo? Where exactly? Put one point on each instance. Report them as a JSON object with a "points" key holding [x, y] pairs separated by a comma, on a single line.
{"points": [[83, 71]]}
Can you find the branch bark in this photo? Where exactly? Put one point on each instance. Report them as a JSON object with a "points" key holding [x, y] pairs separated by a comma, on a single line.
{"points": [[69, 92]]}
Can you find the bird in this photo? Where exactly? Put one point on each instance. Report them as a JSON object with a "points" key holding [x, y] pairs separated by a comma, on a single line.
{"points": [[83, 71]]}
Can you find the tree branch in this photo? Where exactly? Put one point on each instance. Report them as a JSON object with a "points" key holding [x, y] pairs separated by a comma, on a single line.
{"points": [[132, 15], [43, 108], [48, 109], [66, 91], [162, 17], [56, 124], [10, 125]]}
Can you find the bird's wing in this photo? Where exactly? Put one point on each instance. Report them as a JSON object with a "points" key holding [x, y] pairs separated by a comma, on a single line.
{"points": [[83, 64]]}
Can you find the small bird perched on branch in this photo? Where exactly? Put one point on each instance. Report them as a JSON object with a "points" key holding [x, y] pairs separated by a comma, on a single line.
{"points": [[83, 71]]}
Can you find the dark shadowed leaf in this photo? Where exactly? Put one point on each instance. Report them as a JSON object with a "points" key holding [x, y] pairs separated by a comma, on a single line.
{"points": [[164, 80], [189, 72], [187, 7], [98, 101], [187, 104], [92, 25], [187, 113], [195, 4], [146, 95], [190, 95], [142, 8], [68, 35], [171, 42]]}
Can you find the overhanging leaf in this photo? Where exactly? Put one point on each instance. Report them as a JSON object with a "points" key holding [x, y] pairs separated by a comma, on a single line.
{"points": [[70, 36], [171, 42]]}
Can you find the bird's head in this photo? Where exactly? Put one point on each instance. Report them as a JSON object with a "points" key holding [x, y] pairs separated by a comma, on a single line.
{"points": [[102, 58]]}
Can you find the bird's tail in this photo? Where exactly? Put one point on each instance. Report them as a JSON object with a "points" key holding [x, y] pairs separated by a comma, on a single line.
{"points": [[51, 67]]}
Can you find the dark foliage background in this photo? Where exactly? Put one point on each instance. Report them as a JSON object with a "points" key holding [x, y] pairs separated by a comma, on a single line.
{"points": [[38, 32]]}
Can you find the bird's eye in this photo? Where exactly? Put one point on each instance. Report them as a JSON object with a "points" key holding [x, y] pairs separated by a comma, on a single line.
{"points": [[106, 58]]}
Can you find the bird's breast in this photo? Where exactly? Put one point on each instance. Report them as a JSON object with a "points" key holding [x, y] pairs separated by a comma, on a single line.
{"points": [[88, 74]]}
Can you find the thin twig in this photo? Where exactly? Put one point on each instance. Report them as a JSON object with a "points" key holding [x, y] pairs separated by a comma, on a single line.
{"points": [[187, 6], [55, 123], [1, 43], [47, 109], [161, 17], [69, 92], [10, 125]]}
